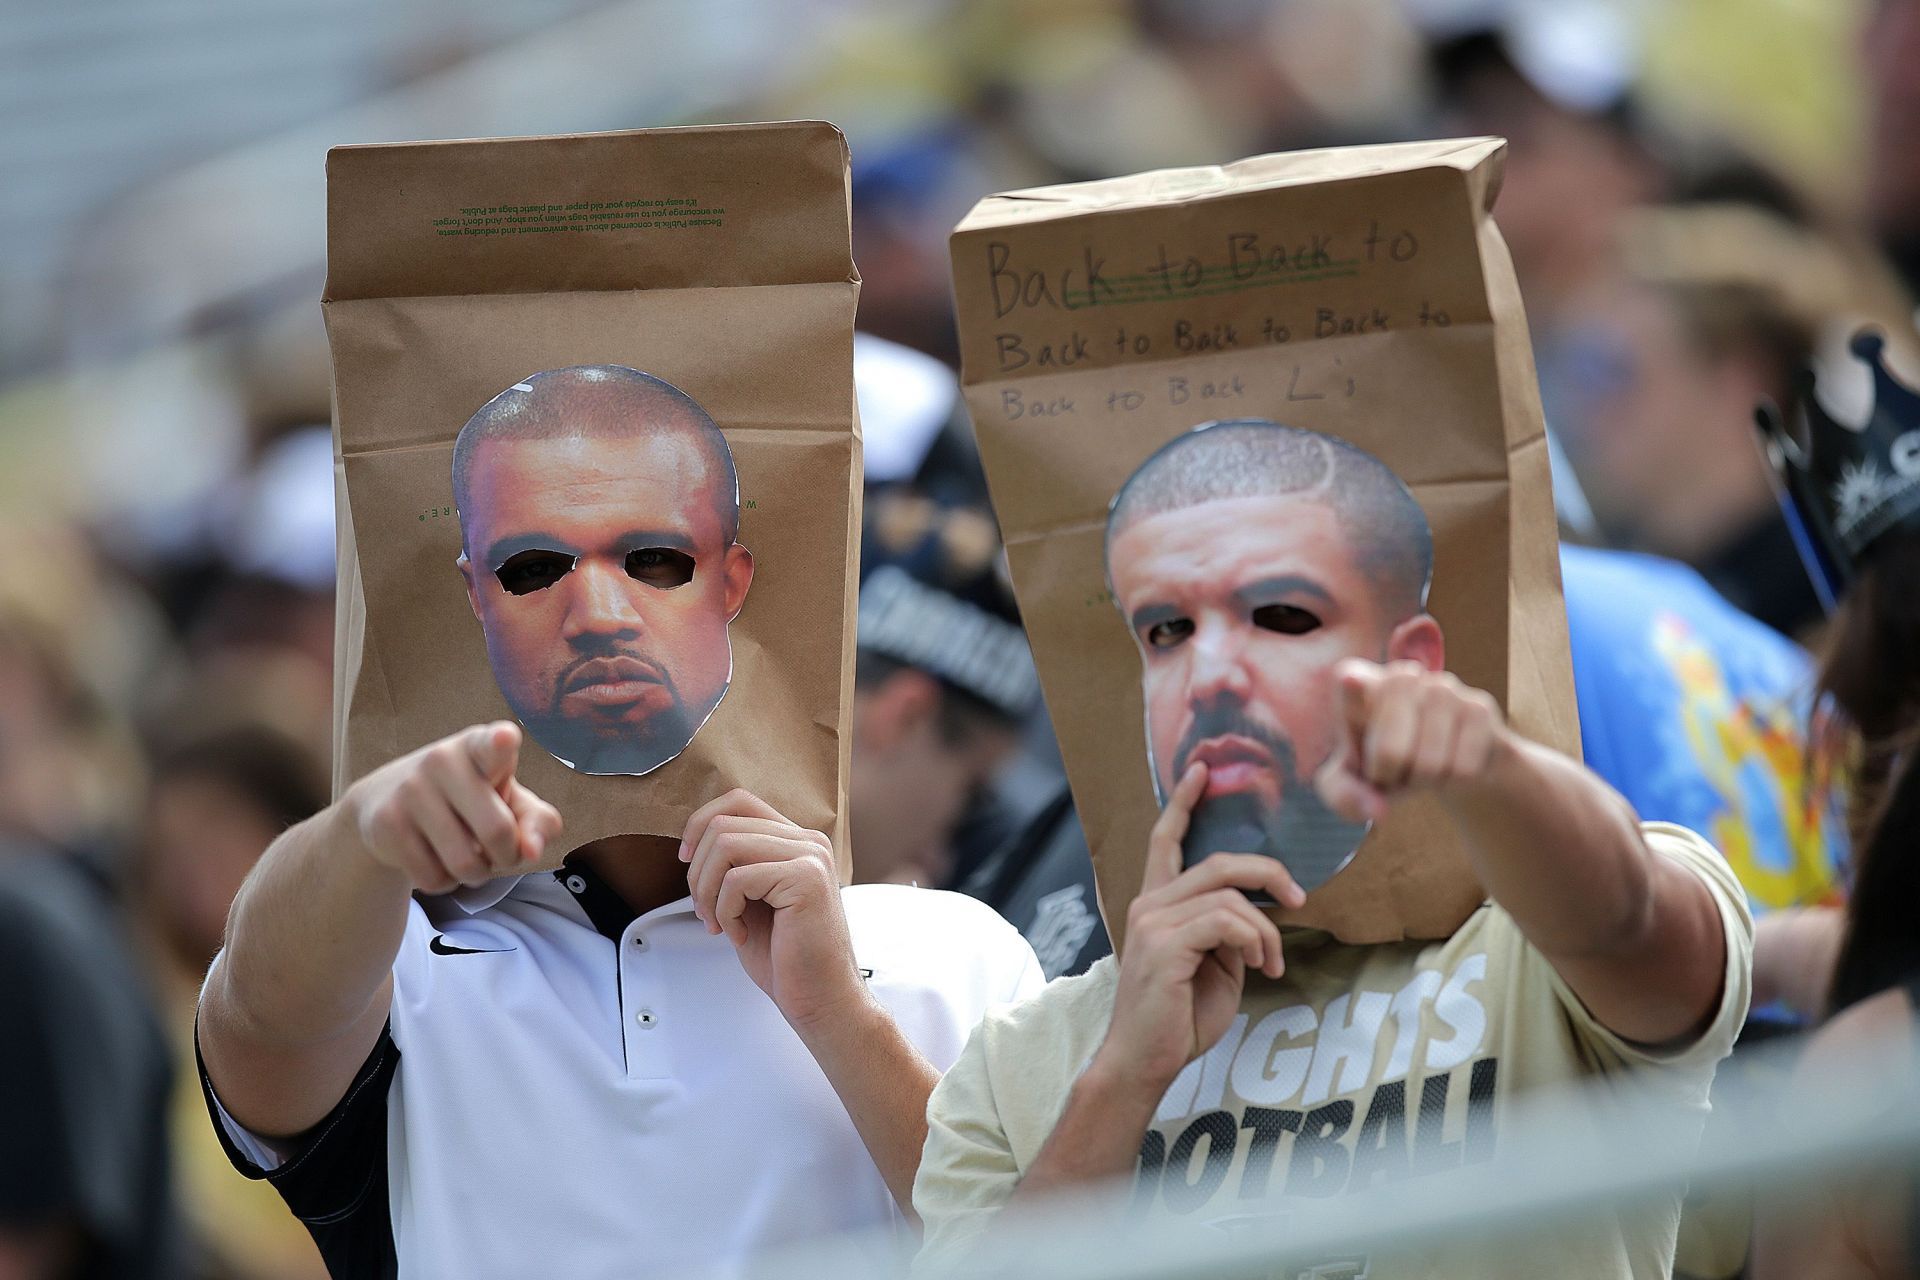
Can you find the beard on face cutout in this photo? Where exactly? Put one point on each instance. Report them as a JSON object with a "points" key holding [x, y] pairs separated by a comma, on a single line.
{"points": [[613, 710], [1312, 840]]}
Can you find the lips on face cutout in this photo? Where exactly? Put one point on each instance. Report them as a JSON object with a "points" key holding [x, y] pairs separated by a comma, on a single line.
{"points": [[614, 685], [1235, 764]]}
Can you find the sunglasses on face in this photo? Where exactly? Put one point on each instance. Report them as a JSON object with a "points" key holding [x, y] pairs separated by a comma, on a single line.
{"points": [[534, 569]]}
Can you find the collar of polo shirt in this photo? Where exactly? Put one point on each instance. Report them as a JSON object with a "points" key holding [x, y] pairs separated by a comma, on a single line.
{"points": [[477, 898], [606, 912]]}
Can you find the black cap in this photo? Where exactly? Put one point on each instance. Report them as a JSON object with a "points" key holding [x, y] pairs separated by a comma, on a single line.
{"points": [[1847, 488]]}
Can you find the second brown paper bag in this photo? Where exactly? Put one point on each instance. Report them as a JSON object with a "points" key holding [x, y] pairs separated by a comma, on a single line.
{"points": [[1362, 299], [597, 461]]}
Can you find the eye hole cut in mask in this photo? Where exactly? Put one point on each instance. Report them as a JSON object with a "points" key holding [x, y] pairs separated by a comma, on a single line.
{"points": [[534, 569]]}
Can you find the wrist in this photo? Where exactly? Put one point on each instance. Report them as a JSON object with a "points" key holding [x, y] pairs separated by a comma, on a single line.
{"points": [[849, 1015], [1124, 1085], [342, 831], [1504, 771]]}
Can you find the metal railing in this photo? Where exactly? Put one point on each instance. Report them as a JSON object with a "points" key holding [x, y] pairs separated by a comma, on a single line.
{"points": [[1563, 1156]]}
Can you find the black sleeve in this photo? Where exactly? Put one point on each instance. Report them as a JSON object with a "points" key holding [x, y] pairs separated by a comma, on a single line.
{"points": [[336, 1181], [85, 1074], [40, 1180], [1043, 885]]}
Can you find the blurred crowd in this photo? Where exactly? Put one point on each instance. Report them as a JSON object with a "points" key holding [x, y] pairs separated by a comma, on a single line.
{"points": [[166, 671]]}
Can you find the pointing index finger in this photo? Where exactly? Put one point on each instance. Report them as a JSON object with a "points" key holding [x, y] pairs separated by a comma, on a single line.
{"points": [[1163, 846]]}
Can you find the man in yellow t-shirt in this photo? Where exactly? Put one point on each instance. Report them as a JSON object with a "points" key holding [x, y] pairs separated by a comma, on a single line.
{"points": [[1219, 1061]]}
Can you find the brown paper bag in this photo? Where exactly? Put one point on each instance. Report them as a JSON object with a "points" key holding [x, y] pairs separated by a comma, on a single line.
{"points": [[595, 306], [1362, 293]]}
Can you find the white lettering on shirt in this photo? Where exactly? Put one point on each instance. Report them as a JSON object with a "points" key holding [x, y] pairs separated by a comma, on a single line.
{"points": [[1464, 1013], [1266, 1075], [1346, 1045], [1291, 1056]]}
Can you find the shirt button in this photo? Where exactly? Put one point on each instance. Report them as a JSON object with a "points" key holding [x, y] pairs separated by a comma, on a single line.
{"points": [[646, 1019], [639, 943], [576, 884]]}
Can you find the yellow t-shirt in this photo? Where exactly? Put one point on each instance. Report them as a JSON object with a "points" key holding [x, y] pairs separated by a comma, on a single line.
{"points": [[1361, 1065]]}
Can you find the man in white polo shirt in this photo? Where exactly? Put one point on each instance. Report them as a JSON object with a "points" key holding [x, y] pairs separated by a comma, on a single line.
{"points": [[639, 1064]]}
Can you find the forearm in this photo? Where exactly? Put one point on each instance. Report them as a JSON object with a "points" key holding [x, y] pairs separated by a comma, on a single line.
{"points": [[1637, 937], [883, 1082], [1557, 848], [1097, 1139], [311, 938], [1794, 952]]}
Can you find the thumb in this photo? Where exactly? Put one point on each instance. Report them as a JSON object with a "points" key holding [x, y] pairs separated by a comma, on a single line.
{"points": [[1343, 790], [495, 750]]}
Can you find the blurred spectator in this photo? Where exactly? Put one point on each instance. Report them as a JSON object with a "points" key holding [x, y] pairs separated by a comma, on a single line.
{"points": [[1302, 73], [1700, 715], [1890, 44], [1558, 91], [76, 645], [1661, 371], [908, 402], [258, 572], [239, 757], [919, 441], [1658, 421], [85, 1188], [904, 203], [1867, 1224], [943, 684], [1557, 86], [1041, 882]]}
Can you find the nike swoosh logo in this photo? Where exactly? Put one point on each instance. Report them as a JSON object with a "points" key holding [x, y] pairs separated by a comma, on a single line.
{"points": [[441, 947]]}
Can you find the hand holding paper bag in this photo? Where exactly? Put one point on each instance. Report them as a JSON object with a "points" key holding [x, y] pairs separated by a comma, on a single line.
{"points": [[769, 885]]}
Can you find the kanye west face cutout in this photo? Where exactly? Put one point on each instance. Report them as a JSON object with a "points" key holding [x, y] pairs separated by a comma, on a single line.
{"points": [[1249, 558], [599, 510]]}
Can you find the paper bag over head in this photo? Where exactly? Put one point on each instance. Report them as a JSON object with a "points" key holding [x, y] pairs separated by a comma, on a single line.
{"points": [[597, 464], [1369, 478]]}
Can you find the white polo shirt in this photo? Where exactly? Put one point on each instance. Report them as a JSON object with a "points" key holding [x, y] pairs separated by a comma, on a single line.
{"points": [[568, 1090]]}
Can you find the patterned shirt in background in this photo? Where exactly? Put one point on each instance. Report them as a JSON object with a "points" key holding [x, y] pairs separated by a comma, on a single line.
{"points": [[1699, 715]]}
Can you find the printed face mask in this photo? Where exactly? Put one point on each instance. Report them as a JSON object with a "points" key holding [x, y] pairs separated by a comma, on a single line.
{"points": [[1242, 556], [604, 506]]}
